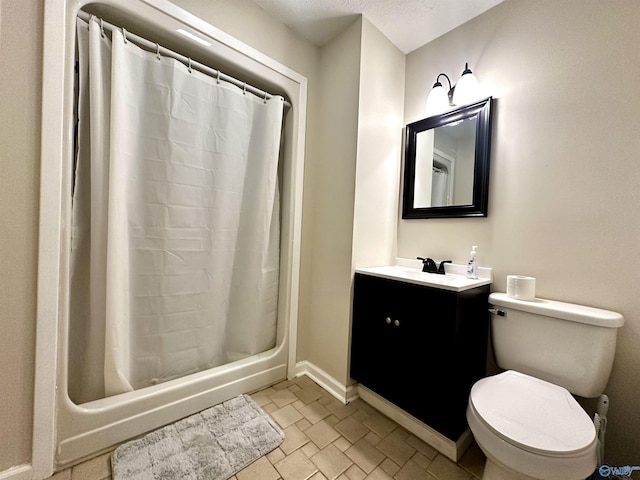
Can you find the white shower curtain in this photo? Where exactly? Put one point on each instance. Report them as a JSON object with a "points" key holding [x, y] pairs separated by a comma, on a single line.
{"points": [[439, 187], [175, 229]]}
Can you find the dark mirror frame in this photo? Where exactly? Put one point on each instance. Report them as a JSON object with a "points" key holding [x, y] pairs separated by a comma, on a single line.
{"points": [[480, 200]]}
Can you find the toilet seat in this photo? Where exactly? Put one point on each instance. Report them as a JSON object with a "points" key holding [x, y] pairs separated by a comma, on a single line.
{"points": [[532, 414], [512, 415]]}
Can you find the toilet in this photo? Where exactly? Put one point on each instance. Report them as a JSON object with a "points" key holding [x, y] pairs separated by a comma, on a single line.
{"points": [[525, 419]]}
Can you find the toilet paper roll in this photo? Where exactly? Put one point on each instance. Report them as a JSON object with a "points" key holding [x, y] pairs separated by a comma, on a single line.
{"points": [[521, 287]]}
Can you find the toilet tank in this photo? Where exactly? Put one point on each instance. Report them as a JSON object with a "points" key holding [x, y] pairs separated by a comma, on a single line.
{"points": [[566, 344]]}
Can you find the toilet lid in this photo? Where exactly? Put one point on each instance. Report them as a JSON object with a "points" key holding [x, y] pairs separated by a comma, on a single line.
{"points": [[535, 415]]}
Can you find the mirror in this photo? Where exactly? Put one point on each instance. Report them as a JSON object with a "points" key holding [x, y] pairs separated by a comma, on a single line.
{"points": [[446, 171]]}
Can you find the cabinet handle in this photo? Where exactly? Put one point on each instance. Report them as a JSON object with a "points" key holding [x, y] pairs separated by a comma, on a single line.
{"points": [[396, 323], [388, 320]]}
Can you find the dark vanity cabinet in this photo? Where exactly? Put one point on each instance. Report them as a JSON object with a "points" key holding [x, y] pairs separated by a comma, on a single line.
{"points": [[421, 348]]}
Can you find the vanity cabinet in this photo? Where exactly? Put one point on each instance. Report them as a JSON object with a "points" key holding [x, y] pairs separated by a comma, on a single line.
{"points": [[421, 348]]}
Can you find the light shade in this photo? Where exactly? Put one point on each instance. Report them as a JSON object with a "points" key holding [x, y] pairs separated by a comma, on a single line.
{"points": [[467, 90], [437, 101]]}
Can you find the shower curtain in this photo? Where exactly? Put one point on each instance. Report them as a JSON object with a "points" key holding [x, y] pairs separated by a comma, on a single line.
{"points": [[175, 220], [439, 187]]}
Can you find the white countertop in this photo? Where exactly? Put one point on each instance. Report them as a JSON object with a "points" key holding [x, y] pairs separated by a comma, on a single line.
{"points": [[410, 271]]}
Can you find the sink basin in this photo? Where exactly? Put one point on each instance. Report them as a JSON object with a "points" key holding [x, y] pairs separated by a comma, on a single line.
{"points": [[454, 279]]}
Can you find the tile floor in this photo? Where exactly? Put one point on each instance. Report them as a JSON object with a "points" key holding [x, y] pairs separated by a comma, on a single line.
{"points": [[326, 440]]}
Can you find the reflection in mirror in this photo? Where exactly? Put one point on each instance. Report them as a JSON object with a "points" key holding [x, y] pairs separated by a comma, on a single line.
{"points": [[447, 164], [444, 165]]}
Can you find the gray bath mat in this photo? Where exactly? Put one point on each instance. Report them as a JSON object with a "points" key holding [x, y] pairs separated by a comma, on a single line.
{"points": [[211, 445]]}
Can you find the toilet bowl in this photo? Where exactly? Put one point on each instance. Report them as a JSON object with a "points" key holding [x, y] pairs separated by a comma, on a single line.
{"points": [[525, 419], [529, 428]]}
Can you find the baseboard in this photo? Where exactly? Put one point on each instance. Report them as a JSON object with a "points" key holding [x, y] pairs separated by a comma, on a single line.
{"points": [[344, 393], [21, 472], [449, 448]]}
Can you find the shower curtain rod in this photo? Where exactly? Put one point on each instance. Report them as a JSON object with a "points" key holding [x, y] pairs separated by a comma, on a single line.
{"points": [[191, 64]]}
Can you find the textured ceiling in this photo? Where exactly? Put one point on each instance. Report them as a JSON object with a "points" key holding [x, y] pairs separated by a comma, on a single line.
{"points": [[409, 24]]}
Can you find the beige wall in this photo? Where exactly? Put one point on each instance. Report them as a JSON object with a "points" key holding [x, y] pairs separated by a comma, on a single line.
{"points": [[355, 193], [564, 191], [380, 127], [20, 86], [324, 332]]}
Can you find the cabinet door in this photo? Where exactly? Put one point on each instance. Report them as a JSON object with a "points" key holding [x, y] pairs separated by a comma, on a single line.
{"points": [[400, 336], [373, 342], [427, 336]]}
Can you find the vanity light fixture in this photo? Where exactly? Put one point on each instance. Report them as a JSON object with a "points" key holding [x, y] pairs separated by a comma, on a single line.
{"points": [[464, 92]]}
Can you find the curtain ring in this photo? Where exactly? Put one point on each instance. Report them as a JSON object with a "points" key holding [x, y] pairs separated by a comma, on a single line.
{"points": [[102, 28], [218, 78], [244, 88], [124, 35], [158, 50], [189, 66], [265, 97]]}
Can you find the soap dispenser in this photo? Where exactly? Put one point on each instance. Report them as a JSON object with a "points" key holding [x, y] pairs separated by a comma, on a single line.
{"points": [[472, 263]]}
